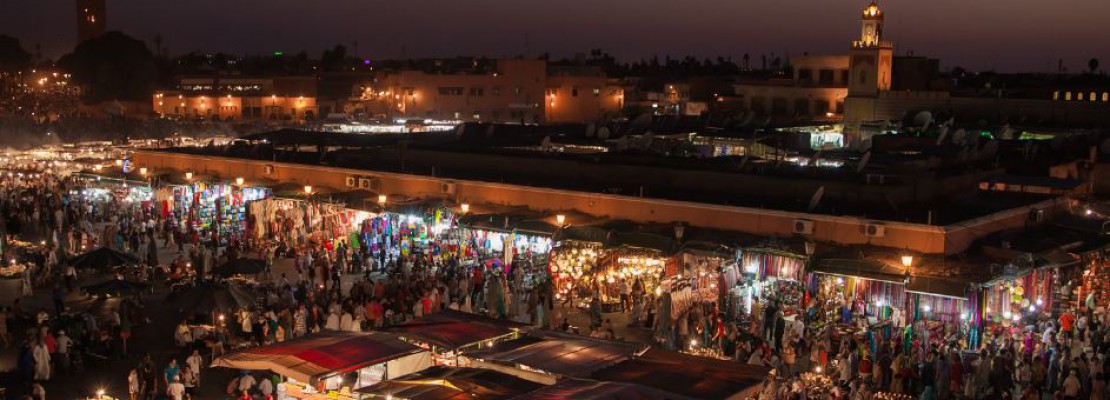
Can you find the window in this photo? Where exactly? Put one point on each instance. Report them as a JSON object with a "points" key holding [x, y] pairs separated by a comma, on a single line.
{"points": [[496, 91], [1056, 95], [597, 92], [1093, 96], [573, 92], [844, 76], [805, 75], [516, 114], [1067, 96], [477, 91], [1079, 96], [458, 115], [450, 91], [1105, 96], [825, 76], [477, 115], [517, 91], [862, 77]]}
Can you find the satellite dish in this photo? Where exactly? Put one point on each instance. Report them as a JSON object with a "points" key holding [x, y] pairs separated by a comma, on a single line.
{"points": [[813, 201], [622, 144], [641, 122], [1105, 146], [603, 133], [990, 149], [959, 137], [489, 131], [590, 130], [863, 162], [546, 142], [747, 119], [943, 134]]}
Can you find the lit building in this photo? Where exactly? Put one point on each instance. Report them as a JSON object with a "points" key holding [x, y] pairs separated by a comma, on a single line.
{"points": [[91, 18], [239, 99], [507, 90], [816, 90], [870, 70], [582, 94]]}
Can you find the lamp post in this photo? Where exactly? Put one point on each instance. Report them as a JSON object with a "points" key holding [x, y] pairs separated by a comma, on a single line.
{"points": [[561, 220]]}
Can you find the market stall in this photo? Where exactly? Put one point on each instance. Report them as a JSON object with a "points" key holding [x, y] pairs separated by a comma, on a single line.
{"points": [[449, 333], [331, 365], [553, 354], [217, 208], [450, 383]]}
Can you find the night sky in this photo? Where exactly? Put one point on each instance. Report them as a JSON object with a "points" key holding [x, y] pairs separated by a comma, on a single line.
{"points": [[1006, 35]]}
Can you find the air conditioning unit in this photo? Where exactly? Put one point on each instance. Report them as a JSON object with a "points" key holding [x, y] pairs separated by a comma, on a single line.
{"points": [[1036, 215], [269, 169], [875, 230], [803, 226], [352, 181], [373, 184], [447, 187]]}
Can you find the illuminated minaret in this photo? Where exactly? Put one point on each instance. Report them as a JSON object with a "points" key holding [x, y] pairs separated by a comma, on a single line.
{"points": [[91, 16], [869, 68]]}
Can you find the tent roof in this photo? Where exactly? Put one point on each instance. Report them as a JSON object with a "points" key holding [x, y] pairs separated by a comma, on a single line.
{"points": [[581, 389], [318, 354], [860, 268], [561, 354], [452, 383], [453, 329], [687, 375]]}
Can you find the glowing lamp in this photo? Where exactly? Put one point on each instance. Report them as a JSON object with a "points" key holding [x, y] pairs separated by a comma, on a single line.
{"points": [[561, 219], [189, 176], [239, 181], [307, 189], [464, 207], [907, 260]]}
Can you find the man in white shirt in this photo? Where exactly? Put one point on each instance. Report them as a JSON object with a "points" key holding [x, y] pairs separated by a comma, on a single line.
{"points": [[62, 344], [194, 362], [176, 390], [246, 383], [266, 387]]}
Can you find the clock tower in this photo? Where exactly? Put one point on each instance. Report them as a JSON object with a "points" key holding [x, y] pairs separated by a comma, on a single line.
{"points": [[869, 66]]}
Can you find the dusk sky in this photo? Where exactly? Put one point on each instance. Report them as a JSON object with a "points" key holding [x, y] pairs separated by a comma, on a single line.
{"points": [[1006, 35]]}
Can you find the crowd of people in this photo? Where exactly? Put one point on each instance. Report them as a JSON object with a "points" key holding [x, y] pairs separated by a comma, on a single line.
{"points": [[335, 285]]}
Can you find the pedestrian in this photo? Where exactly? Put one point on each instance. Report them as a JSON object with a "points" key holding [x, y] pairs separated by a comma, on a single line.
{"points": [[176, 390]]}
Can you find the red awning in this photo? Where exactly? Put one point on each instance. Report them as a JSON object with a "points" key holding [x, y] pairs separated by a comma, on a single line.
{"points": [[312, 356]]}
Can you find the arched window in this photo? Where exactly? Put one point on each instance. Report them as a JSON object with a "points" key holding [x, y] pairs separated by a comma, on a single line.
{"points": [[1105, 96], [1079, 96], [1093, 97], [1056, 95]]}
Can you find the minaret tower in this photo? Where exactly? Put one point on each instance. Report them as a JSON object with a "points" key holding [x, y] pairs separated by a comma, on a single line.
{"points": [[869, 71]]}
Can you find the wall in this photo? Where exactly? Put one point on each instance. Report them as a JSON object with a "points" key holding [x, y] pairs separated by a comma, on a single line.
{"points": [[573, 99], [833, 229]]}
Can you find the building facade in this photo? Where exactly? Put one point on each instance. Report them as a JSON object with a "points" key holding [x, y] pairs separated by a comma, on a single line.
{"points": [[817, 89], [239, 99], [509, 90]]}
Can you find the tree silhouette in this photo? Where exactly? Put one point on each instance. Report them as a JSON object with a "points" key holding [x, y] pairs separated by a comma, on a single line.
{"points": [[12, 55], [1092, 65], [112, 67]]}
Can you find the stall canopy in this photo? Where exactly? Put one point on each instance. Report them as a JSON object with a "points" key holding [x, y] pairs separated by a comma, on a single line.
{"points": [[581, 389], [451, 329], [560, 354], [103, 258], [938, 287], [687, 375], [867, 269], [242, 266], [207, 296], [318, 354], [451, 383]]}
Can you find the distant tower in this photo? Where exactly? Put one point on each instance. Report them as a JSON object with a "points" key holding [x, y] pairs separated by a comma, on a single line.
{"points": [[91, 16], [869, 65]]}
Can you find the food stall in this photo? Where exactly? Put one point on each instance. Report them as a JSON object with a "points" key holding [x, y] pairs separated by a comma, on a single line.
{"points": [[331, 365], [449, 333]]}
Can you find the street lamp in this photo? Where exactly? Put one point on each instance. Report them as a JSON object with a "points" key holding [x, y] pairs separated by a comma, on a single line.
{"points": [[239, 181], [464, 207], [561, 219], [381, 199], [142, 171], [907, 261], [189, 176], [307, 190], [119, 163]]}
